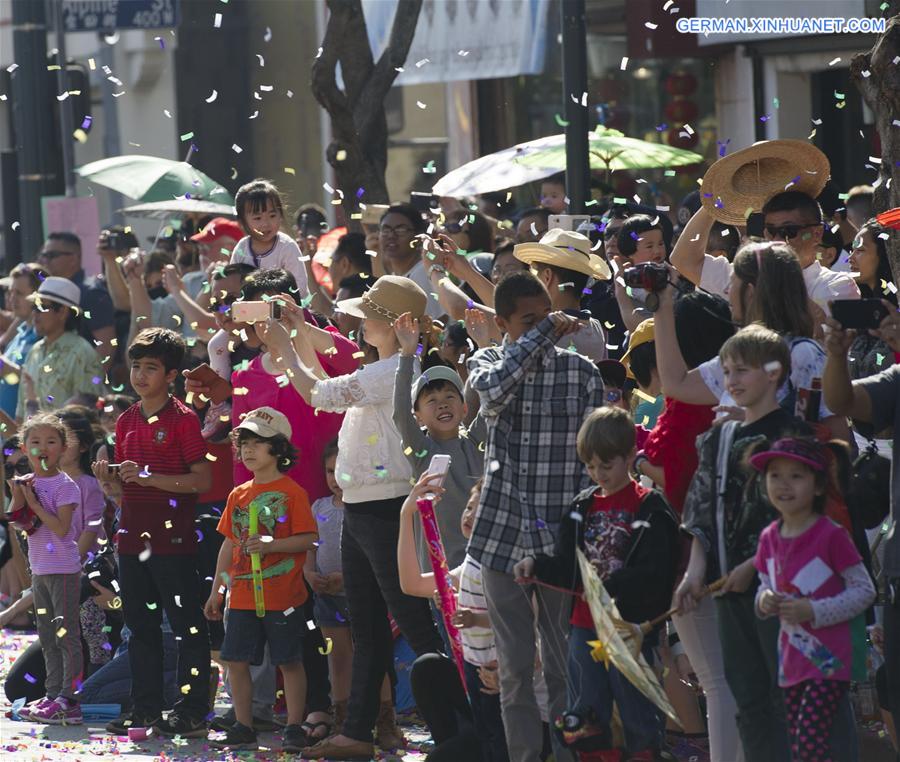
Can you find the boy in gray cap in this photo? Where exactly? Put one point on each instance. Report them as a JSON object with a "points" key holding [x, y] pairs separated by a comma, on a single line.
{"points": [[436, 403]]}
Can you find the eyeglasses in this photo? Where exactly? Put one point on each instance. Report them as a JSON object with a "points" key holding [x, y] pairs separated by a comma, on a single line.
{"points": [[397, 230], [454, 227], [51, 254], [786, 232]]}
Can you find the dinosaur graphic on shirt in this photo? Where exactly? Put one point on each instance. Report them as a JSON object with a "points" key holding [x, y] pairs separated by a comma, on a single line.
{"points": [[273, 510]]}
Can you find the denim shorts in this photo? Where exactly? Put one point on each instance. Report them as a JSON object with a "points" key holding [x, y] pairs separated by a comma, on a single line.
{"points": [[246, 636], [331, 610]]}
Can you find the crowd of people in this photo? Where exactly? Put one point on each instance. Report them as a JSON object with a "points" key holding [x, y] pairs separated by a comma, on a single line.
{"points": [[216, 454]]}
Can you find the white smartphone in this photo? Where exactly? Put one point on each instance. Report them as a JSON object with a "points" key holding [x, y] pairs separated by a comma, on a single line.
{"points": [[439, 466], [567, 221]]}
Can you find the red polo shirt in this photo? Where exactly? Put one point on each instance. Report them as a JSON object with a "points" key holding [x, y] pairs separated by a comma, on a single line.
{"points": [[168, 443]]}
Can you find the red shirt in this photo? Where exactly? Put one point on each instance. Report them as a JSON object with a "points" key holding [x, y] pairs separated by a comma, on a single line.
{"points": [[607, 535], [311, 430], [171, 444], [672, 444]]}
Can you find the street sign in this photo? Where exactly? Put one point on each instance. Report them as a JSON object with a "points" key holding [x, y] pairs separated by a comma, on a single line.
{"points": [[108, 15]]}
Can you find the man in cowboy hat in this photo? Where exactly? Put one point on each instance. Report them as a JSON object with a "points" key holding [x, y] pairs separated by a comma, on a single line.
{"points": [[563, 262], [755, 179]]}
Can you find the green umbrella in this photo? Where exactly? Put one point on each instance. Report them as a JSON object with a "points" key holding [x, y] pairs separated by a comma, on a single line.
{"points": [[150, 178], [609, 150]]}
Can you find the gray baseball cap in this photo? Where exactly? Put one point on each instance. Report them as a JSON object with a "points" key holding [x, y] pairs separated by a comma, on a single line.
{"points": [[437, 373]]}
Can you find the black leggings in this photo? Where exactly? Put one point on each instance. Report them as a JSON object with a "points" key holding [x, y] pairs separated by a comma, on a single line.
{"points": [[442, 702]]}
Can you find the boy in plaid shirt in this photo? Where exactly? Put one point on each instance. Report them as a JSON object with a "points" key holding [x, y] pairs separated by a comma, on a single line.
{"points": [[534, 398]]}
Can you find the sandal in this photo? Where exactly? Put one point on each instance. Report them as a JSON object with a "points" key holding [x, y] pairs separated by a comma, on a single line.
{"points": [[311, 728]]}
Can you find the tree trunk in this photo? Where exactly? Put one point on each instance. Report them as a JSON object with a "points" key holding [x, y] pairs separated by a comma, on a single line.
{"points": [[878, 79], [358, 151]]}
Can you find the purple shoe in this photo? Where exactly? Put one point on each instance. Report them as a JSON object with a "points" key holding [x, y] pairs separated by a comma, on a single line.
{"points": [[26, 711], [58, 712]]}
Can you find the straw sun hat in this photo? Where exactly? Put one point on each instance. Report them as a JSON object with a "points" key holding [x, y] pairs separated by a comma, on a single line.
{"points": [[742, 182], [388, 299], [565, 249]]}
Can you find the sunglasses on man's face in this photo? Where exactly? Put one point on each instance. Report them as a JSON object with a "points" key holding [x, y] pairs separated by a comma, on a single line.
{"points": [[786, 232], [453, 228], [53, 254]]}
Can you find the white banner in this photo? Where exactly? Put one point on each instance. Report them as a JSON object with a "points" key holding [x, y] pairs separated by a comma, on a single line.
{"points": [[465, 39]]}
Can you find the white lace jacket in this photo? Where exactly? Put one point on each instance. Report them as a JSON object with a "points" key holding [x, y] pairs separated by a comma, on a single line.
{"points": [[370, 463]]}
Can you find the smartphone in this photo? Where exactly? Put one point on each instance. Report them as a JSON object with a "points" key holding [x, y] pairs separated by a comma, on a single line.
{"points": [[439, 466], [113, 467], [567, 221], [219, 388], [423, 202], [255, 312], [860, 314]]}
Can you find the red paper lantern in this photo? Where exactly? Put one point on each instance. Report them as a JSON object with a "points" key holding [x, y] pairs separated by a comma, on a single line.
{"points": [[681, 111], [681, 83]]}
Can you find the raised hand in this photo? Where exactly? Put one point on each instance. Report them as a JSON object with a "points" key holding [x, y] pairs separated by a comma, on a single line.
{"points": [[407, 329]]}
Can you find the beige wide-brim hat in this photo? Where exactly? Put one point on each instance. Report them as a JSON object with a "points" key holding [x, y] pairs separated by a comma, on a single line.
{"points": [[389, 297], [742, 182], [566, 249]]}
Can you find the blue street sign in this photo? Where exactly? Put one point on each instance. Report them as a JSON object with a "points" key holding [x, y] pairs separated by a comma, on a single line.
{"points": [[103, 15]]}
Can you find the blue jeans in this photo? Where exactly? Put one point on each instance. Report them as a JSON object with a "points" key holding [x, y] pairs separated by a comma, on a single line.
{"points": [[111, 684], [592, 686]]}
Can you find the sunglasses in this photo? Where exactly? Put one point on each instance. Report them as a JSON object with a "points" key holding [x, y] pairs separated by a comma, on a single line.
{"points": [[786, 232], [454, 227], [47, 306], [398, 230], [51, 254]]}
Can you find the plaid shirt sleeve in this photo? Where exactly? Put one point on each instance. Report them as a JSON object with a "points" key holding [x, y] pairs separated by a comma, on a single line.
{"points": [[497, 382]]}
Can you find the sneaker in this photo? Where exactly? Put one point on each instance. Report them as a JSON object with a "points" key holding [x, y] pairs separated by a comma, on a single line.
{"points": [[222, 722], [34, 706], [294, 739], [121, 725], [60, 711], [237, 738], [178, 725]]}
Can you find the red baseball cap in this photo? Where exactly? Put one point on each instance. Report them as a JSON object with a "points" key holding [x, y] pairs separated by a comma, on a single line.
{"points": [[220, 227]]}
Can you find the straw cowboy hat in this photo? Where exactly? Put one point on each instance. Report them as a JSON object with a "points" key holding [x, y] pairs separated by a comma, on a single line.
{"points": [[388, 299], [566, 249], [742, 182]]}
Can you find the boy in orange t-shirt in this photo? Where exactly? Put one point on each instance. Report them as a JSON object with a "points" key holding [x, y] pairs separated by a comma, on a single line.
{"points": [[286, 531]]}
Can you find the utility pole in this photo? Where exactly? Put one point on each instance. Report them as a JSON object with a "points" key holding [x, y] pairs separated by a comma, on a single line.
{"points": [[65, 105], [35, 141], [574, 67]]}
